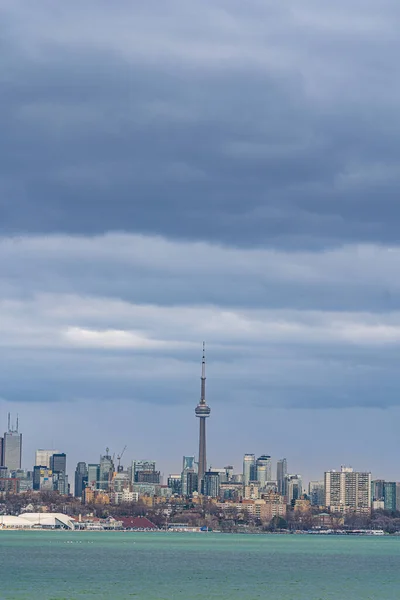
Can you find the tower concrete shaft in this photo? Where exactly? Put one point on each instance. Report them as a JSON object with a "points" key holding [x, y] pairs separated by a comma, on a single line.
{"points": [[203, 412]]}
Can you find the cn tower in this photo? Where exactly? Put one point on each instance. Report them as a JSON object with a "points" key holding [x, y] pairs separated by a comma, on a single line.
{"points": [[202, 411]]}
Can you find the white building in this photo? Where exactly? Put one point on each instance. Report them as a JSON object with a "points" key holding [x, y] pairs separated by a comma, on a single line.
{"points": [[43, 457]]}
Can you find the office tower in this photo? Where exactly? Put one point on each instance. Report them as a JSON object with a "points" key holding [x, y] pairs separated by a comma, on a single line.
{"points": [[294, 487], [377, 489], [249, 468], [175, 484], [192, 483], [106, 471], [202, 411], [60, 483], [142, 465], [93, 475], [281, 472], [1, 451], [389, 495], [397, 495], [188, 466], [263, 470], [12, 447], [348, 490], [211, 484], [58, 462], [148, 476], [316, 493], [81, 479], [43, 457], [42, 478]]}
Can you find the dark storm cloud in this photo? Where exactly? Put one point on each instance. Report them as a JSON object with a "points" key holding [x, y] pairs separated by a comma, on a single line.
{"points": [[272, 126]]}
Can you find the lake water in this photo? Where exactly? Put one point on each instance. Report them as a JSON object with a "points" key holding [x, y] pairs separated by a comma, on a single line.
{"points": [[149, 566]]}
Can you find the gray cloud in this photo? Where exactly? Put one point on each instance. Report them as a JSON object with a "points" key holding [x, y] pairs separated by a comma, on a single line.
{"points": [[272, 126]]}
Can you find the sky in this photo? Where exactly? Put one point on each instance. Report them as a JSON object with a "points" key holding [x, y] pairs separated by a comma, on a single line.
{"points": [[217, 170]]}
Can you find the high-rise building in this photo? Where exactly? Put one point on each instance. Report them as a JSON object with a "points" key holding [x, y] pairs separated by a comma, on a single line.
{"points": [[175, 484], [81, 479], [192, 482], [12, 449], [316, 492], [263, 470], [142, 465], [211, 484], [202, 411], [377, 489], [58, 462], [294, 486], [281, 472], [1, 451], [348, 490], [106, 471], [249, 468], [397, 495], [148, 476], [43, 457], [188, 466], [94, 475], [389, 495]]}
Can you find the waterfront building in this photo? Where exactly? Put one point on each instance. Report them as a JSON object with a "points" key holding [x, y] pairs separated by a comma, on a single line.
{"points": [[281, 472], [202, 412], [43, 457], [347, 490], [81, 479], [398, 495], [249, 469], [316, 492]]}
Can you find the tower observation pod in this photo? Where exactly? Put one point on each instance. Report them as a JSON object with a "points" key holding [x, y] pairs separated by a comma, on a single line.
{"points": [[202, 411]]}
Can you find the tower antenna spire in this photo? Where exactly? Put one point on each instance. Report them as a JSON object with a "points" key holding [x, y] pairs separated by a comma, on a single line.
{"points": [[203, 376]]}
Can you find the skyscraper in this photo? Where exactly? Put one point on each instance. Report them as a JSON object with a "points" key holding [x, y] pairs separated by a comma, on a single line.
{"points": [[189, 466], [94, 475], [249, 467], [58, 463], [106, 470], [281, 472], [81, 478], [43, 457], [12, 447], [263, 470], [202, 412]]}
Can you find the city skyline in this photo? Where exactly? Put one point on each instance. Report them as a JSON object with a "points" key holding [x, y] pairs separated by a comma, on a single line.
{"points": [[173, 176]]}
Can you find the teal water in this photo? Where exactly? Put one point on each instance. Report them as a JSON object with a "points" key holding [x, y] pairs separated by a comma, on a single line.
{"points": [[61, 565]]}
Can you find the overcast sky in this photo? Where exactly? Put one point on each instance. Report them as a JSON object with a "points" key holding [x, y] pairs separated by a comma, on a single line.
{"points": [[218, 170]]}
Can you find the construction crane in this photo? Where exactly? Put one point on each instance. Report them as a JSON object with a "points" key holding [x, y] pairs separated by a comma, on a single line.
{"points": [[119, 460]]}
